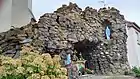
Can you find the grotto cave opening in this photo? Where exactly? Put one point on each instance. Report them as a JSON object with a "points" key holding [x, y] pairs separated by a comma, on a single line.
{"points": [[89, 52], [85, 48]]}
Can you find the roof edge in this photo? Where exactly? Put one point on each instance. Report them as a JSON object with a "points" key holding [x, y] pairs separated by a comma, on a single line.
{"points": [[134, 25]]}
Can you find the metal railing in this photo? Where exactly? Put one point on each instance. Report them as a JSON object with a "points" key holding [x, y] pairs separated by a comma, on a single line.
{"points": [[31, 13]]}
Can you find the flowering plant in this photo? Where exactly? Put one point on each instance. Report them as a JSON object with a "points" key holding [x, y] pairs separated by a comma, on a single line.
{"points": [[32, 65]]}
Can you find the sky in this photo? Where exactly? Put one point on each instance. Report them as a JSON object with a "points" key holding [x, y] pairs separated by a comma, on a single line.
{"points": [[129, 8]]}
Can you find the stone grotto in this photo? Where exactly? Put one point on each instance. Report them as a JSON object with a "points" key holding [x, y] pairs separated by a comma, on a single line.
{"points": [[70, 29]]}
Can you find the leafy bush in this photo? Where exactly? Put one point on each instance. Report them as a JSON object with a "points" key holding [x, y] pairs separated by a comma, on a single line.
{"points": [[136, 71], [32, 65]]}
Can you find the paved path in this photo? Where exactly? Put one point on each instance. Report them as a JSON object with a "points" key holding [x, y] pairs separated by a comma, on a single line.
{"points": [[105, 77]]}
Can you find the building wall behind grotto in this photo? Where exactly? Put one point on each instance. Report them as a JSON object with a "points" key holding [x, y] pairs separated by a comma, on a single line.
{"points": [[69, 29]]}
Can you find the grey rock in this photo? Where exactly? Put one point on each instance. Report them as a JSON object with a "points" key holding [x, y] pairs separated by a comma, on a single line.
{"points": [[69, 29]]}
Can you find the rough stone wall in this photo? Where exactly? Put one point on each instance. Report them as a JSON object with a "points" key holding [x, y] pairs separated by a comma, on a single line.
{"points": [[12, 40], [69, 29]]}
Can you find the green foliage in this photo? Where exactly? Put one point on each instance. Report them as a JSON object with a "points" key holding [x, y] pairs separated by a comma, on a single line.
{"points": [[136, 71], [19, 76], [32, 65], [88, 71]]}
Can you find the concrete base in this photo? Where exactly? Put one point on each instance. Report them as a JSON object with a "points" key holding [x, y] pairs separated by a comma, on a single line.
{"points": [[106, 77]]}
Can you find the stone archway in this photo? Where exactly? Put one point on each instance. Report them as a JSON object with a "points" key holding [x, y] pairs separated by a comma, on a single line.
{"points": [[90, 51], [85, 48]]}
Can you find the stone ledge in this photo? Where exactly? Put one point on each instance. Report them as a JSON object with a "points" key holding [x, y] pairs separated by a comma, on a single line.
{"points": [[106, 77]]}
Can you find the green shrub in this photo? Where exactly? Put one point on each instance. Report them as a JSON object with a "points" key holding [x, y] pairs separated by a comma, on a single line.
{"points": [[136, 71], [32, 65]]}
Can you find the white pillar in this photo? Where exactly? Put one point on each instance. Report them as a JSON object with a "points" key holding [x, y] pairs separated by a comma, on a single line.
{"points": [[20, 12], [5, 15], [15, 13]]}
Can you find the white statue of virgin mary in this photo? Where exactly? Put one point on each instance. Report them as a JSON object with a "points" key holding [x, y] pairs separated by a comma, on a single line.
{"points": [[107, 32]]}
